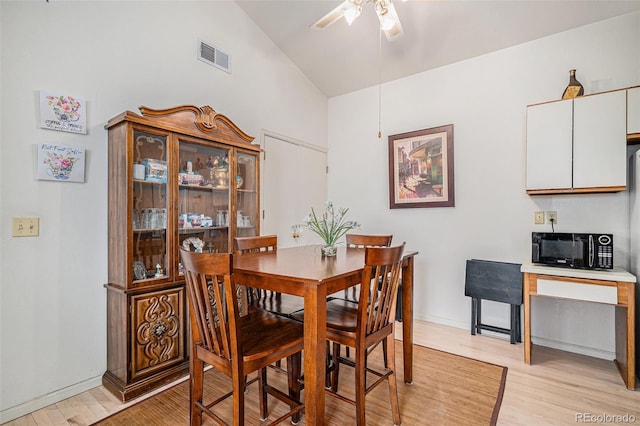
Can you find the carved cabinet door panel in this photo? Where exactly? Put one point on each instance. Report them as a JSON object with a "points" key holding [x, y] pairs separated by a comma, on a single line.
{"points": [[157, 331]]}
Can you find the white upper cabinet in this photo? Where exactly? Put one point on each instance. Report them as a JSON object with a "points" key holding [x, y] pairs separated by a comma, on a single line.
{"points": [[600, 140], [578, 146], [549, 132], [633, 110]]}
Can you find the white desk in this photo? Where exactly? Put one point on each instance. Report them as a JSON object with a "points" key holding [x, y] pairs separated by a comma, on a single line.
{"points": [[615, 287]]}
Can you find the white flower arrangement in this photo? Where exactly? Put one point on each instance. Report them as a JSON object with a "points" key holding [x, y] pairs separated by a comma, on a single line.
{"points": [[331, 225]]}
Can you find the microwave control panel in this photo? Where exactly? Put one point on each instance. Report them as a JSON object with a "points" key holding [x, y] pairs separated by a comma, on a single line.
{"points": [[605, 252]]}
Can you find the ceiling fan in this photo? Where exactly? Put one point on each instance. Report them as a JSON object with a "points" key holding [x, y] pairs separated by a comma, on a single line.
{"points": [[350, 10]]}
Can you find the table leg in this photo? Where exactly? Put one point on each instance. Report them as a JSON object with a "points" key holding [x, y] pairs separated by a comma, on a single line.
{"points": [[407, 319], [479, 317], [631, 336], [474, 315], [315, 329], [513, 333], [625, 334], [527, 317]]}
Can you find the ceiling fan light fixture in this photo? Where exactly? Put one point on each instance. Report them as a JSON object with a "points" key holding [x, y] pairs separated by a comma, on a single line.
{"points": [[390, 23], [350, 10], [351, 13], [386, 22]]}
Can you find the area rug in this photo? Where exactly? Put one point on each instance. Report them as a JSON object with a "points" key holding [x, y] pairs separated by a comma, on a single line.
{"points": [[447, 389]]}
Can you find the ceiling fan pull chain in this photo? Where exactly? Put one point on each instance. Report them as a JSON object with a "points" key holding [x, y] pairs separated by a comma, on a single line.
{"points": [[380, 83]]}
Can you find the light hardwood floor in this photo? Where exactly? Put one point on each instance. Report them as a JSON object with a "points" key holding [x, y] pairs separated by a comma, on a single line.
{"points": [[559, 388]]}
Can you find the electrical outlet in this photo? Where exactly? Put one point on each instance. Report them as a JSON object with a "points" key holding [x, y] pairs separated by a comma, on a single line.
{"points": [[552, 217], [25, 226], [538, 218]]}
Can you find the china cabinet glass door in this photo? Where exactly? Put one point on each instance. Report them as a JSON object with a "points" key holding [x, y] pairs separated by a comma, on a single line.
{"points": [[150, 206], [203, 197], [247, 194]]}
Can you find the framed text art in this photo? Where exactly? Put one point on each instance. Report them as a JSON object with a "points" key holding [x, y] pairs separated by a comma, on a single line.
{"points": [[421, 168]]}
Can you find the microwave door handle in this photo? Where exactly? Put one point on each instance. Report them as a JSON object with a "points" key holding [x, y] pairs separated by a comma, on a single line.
{"points": [[535, 253], [591, 251]]}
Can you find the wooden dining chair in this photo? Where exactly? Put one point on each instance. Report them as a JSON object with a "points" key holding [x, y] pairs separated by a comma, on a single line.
{"points": [[365, 325], [277, 303], [360, 241], [234, 344], [363, 241]]}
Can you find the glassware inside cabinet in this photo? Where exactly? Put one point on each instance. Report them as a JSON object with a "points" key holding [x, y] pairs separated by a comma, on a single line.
{"points": [[149, 216], [247, 192], [203, 198]]}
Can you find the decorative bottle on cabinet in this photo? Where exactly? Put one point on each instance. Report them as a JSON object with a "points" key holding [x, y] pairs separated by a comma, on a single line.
{"points": [[183, 198], [574, 89]]}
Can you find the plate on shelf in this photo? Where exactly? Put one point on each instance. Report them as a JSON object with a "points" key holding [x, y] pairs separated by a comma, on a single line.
{"points": [[139, 271]]}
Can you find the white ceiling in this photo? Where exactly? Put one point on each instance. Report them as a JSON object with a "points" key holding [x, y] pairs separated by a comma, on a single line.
{"points": [[342, 59]]}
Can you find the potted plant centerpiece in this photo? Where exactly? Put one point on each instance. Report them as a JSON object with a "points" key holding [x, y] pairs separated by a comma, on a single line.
{"points": [[331, 225]]}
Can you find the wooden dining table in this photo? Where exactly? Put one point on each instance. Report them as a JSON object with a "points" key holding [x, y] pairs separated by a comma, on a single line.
{"points": [[304, 272]]}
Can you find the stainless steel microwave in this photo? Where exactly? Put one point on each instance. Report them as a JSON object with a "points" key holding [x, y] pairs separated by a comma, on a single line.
{"points": [[580, 251]]}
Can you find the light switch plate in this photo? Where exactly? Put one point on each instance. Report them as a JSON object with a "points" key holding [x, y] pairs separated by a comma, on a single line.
{"points": [[25, 227]]}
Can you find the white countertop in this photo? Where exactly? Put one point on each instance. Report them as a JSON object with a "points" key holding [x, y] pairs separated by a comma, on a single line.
{"points": [[615, 274]]}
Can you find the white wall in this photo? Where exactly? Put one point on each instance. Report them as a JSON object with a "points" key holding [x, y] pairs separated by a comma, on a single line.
{"points": [[117, 56], [485, 99]]}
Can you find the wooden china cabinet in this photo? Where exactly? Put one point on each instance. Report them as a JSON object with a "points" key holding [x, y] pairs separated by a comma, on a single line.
{"points": [[181, 176]]}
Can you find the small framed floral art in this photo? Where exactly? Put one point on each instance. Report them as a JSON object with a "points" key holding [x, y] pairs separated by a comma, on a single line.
{"points": [[60, 163], [421, 168], [63, 113]]}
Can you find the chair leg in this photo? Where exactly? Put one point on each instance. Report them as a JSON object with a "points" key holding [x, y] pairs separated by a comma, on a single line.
{"points": [[393, 386], [385, 357], [294, 368], [262, 385], [196, 389], [238, 386], [336, 367], [328, 367], [361, 384]]}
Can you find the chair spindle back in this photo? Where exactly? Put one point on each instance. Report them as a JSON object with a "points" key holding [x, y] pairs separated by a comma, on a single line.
{"points": [[379, 288], [213, 308]]}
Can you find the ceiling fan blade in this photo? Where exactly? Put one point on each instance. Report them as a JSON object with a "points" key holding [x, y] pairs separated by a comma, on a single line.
{"points": [[332, 16]]}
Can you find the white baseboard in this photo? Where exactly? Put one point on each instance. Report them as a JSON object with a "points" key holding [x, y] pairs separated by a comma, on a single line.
{"points": [[541, 341], [444, 321], [583, 350], [51, 398]]}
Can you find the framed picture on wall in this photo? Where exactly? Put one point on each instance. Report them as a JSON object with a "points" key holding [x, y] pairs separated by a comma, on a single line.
{"points": [[63, 112], [61, 163], [421, 168]]}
